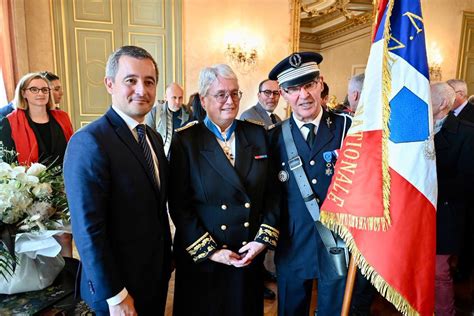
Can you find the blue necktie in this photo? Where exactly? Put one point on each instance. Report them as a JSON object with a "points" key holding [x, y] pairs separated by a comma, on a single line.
{"points": [[141, 131]]}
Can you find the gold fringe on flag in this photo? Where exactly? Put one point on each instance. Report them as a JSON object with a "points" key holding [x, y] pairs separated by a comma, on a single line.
{"points": [[386, 91], [382, 286], [350, 220]]}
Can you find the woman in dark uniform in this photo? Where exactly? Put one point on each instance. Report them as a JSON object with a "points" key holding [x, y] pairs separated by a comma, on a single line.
{"points": [[223, 203]]}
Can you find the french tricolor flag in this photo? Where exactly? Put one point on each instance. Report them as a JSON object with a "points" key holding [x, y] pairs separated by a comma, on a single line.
{"points": [[382, 199]]}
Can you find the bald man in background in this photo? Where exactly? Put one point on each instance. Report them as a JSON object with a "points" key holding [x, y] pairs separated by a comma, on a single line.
{"points": [[165, 118]]}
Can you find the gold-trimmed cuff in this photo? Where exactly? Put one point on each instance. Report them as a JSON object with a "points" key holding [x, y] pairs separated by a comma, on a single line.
{"points": [[267, 235], [202, 247]]}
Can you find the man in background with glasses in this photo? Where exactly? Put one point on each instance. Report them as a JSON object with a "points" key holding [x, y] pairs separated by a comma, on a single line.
{"points": [[315, 135], [268, 97]]}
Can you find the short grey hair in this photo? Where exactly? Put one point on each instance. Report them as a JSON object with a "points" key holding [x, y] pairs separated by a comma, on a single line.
{"points": [[356, 82], [458, 85], [209, 74], [132, 51], [440, 92]]}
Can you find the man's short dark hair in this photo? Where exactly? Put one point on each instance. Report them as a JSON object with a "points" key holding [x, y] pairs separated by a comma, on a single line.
{"points": [[261, 84], [49, 75], [132, 51]]}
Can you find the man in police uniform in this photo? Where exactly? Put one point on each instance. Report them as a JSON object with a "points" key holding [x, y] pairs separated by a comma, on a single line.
{"points": [[301, 255]]}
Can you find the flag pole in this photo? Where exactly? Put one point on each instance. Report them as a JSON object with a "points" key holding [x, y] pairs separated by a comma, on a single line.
{"points": [[351, 273], [352, 269]]}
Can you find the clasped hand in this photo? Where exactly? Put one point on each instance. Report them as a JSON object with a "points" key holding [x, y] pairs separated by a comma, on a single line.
{"points": [[241, 259]]}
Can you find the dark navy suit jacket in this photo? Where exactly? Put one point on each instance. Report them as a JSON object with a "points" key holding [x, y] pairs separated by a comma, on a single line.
{"points": [[467, 113], [300, 251], [119, 218], [454, 163]]}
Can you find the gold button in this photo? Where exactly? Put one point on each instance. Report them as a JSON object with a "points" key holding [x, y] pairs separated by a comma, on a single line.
{"points": [[223, 227], [244, 243], [247, 205], [224, 246], [312, 162], [314, 181], [246, 224], [224, 207]]}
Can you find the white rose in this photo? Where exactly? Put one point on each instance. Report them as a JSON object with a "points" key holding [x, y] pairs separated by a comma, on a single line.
{"points": [[5, 169], [35, 169], [42, 190]]}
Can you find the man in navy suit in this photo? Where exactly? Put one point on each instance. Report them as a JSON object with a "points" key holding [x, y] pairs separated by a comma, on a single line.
{"points": [[301, 255], [116, 175]]}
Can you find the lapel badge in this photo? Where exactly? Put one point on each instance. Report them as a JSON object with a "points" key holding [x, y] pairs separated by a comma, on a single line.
{"points": [[328, 122], [283, 176], [327, 156]]}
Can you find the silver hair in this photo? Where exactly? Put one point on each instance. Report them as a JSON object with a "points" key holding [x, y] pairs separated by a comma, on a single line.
{"points": [[440, 92], [356, 82], [132, 51], [458, 85], [209, 74]]}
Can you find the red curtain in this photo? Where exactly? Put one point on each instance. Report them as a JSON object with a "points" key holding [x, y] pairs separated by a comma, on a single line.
{"points": [[7, 49]]}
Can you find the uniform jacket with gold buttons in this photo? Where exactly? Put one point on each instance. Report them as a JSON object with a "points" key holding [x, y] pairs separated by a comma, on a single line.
{"points": [[215, 205]]}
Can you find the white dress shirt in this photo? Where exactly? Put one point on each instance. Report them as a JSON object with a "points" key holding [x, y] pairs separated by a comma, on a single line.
{"points": [[305, 130], [459, 108]]}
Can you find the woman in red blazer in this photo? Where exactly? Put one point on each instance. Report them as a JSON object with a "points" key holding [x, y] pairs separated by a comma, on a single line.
{"points": [[36, 130]]}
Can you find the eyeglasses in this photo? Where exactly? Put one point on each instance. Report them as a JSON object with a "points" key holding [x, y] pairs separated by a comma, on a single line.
{"points": [[222, 96], [269, 93], [296, 89], [36, 90]]}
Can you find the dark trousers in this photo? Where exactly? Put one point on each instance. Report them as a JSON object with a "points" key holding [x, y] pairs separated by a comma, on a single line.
{"points": [[223, 290], [362, 296], [294, 296]]}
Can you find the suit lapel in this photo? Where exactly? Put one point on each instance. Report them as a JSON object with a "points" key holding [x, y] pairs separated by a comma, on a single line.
{"points": [[325, 134], [127, 138], [212, 152], [263, 114], [450, 126], [244, 152], [162, 164]]}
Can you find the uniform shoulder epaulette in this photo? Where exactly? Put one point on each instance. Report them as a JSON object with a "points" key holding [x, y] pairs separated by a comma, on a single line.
{"points": [[255, 122], [188, 125], [275, 125]]}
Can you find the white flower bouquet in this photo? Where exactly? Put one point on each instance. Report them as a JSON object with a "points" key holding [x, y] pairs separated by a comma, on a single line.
{"points": [[33, 208]]}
